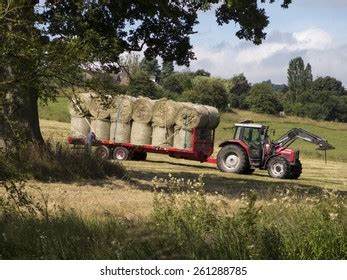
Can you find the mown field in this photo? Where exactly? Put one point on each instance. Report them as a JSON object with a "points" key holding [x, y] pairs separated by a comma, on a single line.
{"points": [[132, 197]]}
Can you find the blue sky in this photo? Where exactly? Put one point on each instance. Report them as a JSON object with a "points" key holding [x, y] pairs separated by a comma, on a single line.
{"points": [[313, 29]]}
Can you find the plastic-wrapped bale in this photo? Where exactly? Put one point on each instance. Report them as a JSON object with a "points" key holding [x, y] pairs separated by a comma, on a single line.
{"points": [[213, 116], [162, 136], [183, 139], [80, 104], [101, 128], [80, 126], [100, 107], [192, 116], [122, 108], [141, 134], [120, 132], [165, 112], [143, 110]]}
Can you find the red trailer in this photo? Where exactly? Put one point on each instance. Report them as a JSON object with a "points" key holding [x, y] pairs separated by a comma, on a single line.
{"points": [[201, 148]]}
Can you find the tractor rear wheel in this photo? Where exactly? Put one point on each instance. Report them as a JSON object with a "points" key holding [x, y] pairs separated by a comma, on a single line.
{"points": [[296, 170], [278, 167], [233, 159]]}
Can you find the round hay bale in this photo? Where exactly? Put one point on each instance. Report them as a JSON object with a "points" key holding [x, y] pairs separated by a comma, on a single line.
{"points": [[141, 134], [183, 139], [101, 128], [213, 116], [162, 136], [80, 126], [79, 105], [191, 116], [204, 134], [143, 110], [164, 112], [99, 108], [120, 132], [122, 108]]}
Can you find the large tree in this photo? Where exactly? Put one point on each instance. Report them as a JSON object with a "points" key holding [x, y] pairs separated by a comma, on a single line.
{"points": [[45, 47], [299, 78]]}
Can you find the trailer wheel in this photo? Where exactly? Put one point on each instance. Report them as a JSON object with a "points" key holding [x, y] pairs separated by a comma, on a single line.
{"points": [[121, 153], [278, 167], [296, 170], [233, 159], [103, 152]]}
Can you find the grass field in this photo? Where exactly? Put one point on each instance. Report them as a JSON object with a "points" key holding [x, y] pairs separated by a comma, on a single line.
{"points": [[57, 111], [133, 197]]}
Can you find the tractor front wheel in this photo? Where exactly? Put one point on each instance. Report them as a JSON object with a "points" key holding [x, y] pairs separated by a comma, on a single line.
{"points": [[296, 170], [278, 167], [233, 159]]}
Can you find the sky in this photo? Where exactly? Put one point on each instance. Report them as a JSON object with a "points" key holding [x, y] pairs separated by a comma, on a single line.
{"points": [[316, 30]]}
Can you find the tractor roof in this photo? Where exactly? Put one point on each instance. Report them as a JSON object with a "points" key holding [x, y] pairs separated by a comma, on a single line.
{"points": [[254, 125]]}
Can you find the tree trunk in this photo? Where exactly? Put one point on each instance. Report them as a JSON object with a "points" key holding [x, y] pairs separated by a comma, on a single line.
{"points": [[22, 117]]}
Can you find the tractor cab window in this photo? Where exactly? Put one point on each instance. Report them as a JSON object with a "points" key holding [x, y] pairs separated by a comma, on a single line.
{"points": [[252, 136]]}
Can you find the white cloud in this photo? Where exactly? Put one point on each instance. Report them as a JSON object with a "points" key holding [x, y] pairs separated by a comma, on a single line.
{"points": [[270, 60]]}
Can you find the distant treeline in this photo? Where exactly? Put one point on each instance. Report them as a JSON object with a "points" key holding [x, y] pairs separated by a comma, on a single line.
{"points": [[324, 98]]}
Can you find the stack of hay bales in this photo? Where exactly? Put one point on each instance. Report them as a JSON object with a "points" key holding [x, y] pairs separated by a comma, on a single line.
{"points": [[141, 130], [79, 112], [142, 121], [121, 116]]}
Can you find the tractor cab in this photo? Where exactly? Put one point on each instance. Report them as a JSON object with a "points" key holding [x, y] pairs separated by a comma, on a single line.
{"points": [[255, 137]]}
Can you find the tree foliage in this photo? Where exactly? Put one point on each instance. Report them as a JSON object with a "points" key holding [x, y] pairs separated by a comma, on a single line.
{"points": [[46, 48], [299, 78], [208, 91], [141, 85], [261, 99], [238, 90], [151, 66], [167, 69]]}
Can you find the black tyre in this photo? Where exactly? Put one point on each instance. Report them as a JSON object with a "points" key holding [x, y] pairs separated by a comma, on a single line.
{"points": [[232, 159], [278, 167], [296, 170], [103, 152], [249, 171], [121, 153], [140, 156]]}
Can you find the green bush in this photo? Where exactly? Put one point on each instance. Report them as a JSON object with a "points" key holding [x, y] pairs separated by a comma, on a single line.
{"points": [[261, 99], [208, 91]]}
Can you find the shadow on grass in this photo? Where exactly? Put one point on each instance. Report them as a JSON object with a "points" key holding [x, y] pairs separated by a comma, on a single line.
{"points": [[231, 187]]}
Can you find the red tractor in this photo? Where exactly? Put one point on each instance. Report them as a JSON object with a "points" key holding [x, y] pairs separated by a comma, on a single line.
{"points": [[252, 148]]}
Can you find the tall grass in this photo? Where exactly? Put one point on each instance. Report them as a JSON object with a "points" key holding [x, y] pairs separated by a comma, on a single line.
{"points": [[183, 225], [57, 163]]}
